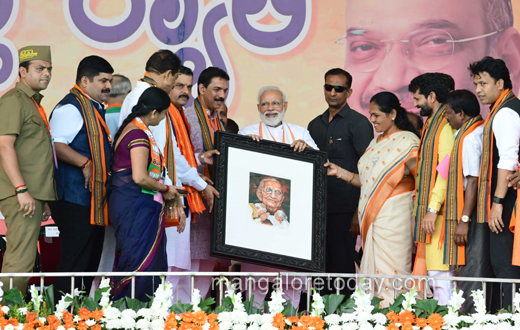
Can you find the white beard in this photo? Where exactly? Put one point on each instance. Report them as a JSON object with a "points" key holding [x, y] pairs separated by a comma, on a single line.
{"points": [[273, 122]]}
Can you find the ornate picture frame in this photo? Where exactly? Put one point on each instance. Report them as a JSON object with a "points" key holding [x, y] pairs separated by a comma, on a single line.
{"points": [[272, 205]]}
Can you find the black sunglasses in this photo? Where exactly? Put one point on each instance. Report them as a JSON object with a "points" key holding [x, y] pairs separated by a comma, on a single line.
{"points": [[338, 89]]}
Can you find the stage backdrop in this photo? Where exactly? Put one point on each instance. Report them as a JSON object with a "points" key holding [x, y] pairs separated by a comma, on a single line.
{"points": [[287, 43]]}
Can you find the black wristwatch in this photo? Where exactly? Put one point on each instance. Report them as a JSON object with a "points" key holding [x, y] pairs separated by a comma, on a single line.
{"points": [[497, 200]]}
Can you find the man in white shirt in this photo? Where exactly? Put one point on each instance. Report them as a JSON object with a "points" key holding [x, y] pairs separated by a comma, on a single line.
{"points": [[272, 105], [500, 142], [468, 236], [121, 86]]}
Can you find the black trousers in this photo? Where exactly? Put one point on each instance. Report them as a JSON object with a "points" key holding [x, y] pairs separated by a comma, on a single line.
{"points": [[501, 250], [81, 245], [478, 264], [339, 254]]}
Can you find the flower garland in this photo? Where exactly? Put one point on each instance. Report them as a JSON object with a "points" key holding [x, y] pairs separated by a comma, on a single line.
{"points": [[359, 312]]}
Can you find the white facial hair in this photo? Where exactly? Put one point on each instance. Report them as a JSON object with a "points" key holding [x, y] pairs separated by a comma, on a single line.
{"points": [[273, 122]]}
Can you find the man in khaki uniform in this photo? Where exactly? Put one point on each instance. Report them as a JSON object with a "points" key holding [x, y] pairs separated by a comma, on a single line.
{"points": [[26, 163]]}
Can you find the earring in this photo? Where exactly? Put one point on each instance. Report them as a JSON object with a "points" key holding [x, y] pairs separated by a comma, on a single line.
{"points": [[153, 116], [393, 118]]}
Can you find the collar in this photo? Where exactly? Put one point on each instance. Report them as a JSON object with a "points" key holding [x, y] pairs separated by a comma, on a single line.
{"points": [[27, 90], [342, 113]]}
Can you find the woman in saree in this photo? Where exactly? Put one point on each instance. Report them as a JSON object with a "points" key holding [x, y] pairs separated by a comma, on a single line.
{"points": [[386, 178], [135, 205]]}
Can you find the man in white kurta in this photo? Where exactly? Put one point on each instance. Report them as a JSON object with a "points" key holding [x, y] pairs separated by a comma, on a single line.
{"points": [[272, 105]]}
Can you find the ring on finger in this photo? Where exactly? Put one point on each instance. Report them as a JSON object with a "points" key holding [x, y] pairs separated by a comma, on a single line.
{"points": [[25, 208]]}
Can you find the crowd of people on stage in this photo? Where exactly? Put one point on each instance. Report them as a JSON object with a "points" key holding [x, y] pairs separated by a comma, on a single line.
{"points": [[127, 175]]}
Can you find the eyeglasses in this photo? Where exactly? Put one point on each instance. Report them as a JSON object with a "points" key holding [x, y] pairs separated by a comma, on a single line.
{"points": [[269, 191], [338, 89], [275, 104], [426, 49]]}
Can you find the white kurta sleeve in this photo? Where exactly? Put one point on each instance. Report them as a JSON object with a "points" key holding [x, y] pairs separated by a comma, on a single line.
{"points": [[506, 127]]}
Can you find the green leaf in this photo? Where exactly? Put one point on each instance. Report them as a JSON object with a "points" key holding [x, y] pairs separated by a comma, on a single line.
{"points": [[90, 304], [135, 304], [348, 306], [49, 298], [289, 310], [332, 302], [396, 306], [376, 301], [205, 305], [13, 297], [428, 306], [180, 308], [120, 304], [219, 309]]}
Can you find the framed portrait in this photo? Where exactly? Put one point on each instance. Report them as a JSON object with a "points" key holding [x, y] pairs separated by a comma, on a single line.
{"points": [[272, 205]]}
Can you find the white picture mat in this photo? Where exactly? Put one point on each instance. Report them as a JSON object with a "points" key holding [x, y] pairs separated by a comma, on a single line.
{"points": [[295, 241]]}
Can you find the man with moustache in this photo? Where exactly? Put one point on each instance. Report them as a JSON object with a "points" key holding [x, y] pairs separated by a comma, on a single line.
{"points": [[121, 86], [272, 105], [204, 121], [345, 135], [26, 163], [429, 93], [500, 144], [82, 142], [384, 48], [178, 244]]}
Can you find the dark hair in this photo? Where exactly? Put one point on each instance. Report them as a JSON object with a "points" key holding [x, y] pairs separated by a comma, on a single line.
{"points": [[496, 68], [386, 102], [208, 74], [464, 100], [92, 66], [185, 71], [439, 83], [153, 98], [24, 65], [417, 122], [338, 72], [232, 126], [162, 61]]}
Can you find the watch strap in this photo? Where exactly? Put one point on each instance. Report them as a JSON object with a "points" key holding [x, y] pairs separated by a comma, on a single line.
{"points": [[497, 200]]}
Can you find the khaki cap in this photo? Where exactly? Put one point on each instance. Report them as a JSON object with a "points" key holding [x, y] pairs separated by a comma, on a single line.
{"points": [[31, 53]]}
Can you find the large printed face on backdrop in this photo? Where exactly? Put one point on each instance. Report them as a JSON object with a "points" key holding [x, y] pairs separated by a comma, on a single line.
{"points": [[388, 43]]}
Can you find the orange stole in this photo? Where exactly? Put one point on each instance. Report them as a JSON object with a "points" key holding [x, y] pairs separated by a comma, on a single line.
{"points": [[512, 227], [183, 140]]}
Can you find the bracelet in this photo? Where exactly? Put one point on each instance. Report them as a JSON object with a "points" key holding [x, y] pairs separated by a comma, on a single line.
{"points": [[87, 163], [20, 186], [202, 161], [167, 189], [21, 190], [349, 181]]}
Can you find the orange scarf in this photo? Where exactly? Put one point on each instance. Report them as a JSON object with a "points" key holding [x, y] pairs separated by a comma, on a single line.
{"points": [[158, 162], [186, 147]]}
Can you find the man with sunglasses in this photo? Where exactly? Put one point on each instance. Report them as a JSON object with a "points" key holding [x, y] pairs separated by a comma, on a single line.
{"points": [[345, 135], [388, 43], [272, 105]]}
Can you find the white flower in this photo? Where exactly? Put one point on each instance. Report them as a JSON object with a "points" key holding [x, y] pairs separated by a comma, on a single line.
{"points": [[146, 313], [205, 326], [129, 313], [239, 327], [224, 317], [35, 298], [381, 327], [105, 301], [348, 317], [410, 300], [111, 313], [350, 326], [332, 319], [76, 318], [451, 320], [60, 327], [113, 324], [268, 326], [479, 318], [492, 318], [157, 324], [1, 291], [456, 301], [5, 309], [480, 302], [266, 319], [226, 325], [90, 322], [104, 283], [379, 318], [504, 316], [22, 310], [318, 308], [62, 304], [143, 324], [239, 317], [503, 326], [516, 318], [127, 322], [363, 317], [195, 300], [59, 315], [466, 319], [277, 301], [9, 327], [335, 327], [253, 326], [366, 326], [255, 318]]}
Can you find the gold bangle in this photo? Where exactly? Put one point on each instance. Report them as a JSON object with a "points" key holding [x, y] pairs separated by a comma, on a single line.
{"points": [[349, 181]]}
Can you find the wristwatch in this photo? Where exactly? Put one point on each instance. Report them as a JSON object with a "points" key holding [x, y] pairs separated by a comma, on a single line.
{"points": [[431, 210], [465, 218], [498, 200]]}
